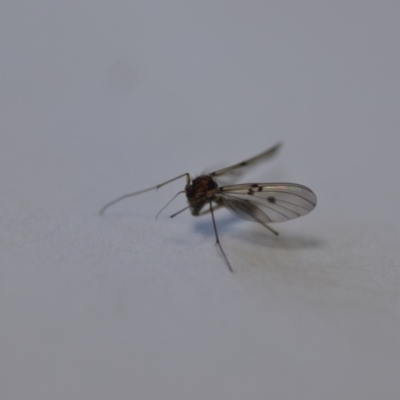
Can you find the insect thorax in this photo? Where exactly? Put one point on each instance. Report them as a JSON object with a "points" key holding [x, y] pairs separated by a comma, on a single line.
{"points": [[201, 189]]}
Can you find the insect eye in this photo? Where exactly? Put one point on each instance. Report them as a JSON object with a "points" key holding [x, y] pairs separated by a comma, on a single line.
{"points": [[189, 191], [212, 185]]}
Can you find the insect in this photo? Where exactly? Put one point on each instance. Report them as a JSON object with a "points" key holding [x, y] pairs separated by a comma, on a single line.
{"points": [[259, 202]]}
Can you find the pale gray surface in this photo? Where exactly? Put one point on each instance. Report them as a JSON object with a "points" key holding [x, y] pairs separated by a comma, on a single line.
{"points": [[100, 98]]}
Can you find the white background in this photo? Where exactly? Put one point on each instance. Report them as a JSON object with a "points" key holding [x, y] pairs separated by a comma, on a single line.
{"points": [[101, 98]]}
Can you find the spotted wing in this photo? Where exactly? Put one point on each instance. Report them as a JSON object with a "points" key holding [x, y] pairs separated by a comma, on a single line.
{"points": [[268, 202]]}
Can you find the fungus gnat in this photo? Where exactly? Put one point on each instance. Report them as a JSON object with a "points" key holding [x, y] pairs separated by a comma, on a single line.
{"points": [[259, 202]]}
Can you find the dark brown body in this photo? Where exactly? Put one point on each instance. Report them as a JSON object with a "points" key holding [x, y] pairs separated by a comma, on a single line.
{"points": [[201, 191]]}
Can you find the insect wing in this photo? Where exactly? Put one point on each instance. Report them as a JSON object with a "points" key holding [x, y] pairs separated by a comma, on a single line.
{"points": [[233, 172], [268, 202]]}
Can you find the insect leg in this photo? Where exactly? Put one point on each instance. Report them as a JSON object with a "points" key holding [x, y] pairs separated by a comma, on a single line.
{"points": [[183, 209], [217, 238], [276, 233], [169, 203], [104, 208], [209, 210]]}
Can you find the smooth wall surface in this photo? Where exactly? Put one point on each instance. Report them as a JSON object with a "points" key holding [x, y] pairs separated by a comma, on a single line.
{"points": [[102, 98]]}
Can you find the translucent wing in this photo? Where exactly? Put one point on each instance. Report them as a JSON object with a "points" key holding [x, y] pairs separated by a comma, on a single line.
{"points": [[233, 172], [267, 202]]}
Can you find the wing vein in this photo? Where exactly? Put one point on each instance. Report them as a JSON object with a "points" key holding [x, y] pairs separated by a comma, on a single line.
{"points": [[226, 189], [238, 199]]}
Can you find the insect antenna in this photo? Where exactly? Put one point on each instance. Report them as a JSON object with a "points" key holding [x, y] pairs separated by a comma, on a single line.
{"points": [[117, 200]]}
